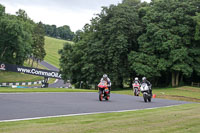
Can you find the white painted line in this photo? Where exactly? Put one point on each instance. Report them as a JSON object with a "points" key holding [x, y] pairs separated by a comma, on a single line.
{"points": [[56, 81], [35, 118]]}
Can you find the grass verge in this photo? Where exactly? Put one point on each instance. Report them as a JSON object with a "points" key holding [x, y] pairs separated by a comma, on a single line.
{"points": [[176, 119], [185, 93], [14, 90], [13, 77]]}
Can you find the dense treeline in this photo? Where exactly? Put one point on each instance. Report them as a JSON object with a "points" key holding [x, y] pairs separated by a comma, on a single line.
{"points": [[159, 40], [20, 38], [63, 32]]}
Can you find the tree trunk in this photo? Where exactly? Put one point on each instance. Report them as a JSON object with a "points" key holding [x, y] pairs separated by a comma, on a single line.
{"points": [[173, 79], [131, 81], [177, 78], [120, 82], [181, 80], [37, 63], [32, 62], [2, 54], [29, 61]]}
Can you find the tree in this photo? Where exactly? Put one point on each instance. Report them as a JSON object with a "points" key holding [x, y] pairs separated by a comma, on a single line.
{"points": [[20, 38], [15, 39], [2, 10], [63, 32], [197, 30], [103, 46], [38, 43], [168, 43]]}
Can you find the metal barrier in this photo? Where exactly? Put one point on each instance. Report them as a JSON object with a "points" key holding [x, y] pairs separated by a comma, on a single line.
{"points": [[195, 84]]}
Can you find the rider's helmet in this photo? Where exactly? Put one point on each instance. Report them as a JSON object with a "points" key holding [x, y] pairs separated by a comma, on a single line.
{"points": [[136, 78], [105, 76], [144, 79]]}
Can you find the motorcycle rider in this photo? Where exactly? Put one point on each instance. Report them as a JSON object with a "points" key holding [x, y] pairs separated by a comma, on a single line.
{"points": [[144, 80], [136, 80], [105, 78], [136, 83]]}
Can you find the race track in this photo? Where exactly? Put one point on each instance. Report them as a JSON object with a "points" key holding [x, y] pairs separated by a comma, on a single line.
{"points": [[60, 82], [17, 106]]}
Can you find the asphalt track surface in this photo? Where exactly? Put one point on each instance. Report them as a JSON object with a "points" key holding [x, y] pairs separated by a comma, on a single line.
{"points": [[60, 82], [20, 106]]}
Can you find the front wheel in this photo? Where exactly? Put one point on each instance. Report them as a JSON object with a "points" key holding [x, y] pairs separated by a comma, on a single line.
{"points": [[149, 99], [145, 97], [100, 95], [135, 93], [107, 98]]}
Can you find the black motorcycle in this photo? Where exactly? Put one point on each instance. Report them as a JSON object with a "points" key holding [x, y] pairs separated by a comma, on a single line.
{"points": [[145, 89]]}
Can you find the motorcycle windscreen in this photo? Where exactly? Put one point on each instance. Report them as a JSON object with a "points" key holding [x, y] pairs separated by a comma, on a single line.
{"points": [[144, 87], [102, 84]]}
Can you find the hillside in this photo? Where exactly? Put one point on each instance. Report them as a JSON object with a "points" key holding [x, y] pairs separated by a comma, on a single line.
{"points": [[52, 45]]}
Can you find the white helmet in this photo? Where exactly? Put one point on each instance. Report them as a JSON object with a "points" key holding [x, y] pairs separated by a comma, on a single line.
{"points": [[144, 78], [105, 76], [136, 78]]}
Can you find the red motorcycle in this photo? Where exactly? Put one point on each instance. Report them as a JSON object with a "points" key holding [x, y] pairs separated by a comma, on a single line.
{"points": [[103, 91], [136, 89]]}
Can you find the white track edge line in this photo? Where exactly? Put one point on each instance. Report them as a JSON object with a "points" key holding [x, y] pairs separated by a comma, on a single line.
{"points": [[80, 114]]}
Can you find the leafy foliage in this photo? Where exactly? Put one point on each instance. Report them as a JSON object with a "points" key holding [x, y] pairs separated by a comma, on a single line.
{"points": [[63, 32], [38, 42], [168, 42], [20, 38], [103, 46], [157, 39]]}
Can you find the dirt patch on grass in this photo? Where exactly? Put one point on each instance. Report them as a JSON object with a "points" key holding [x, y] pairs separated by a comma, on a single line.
{"points": [[182, 98], [188, 88]]}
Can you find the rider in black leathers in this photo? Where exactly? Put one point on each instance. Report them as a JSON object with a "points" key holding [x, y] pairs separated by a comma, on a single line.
{"points": [[144, 80]]}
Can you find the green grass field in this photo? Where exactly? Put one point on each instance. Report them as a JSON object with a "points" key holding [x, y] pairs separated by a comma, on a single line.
{"points": [[18, 77], [52, 46], [185, 93], [14, 90], [176, 119]]}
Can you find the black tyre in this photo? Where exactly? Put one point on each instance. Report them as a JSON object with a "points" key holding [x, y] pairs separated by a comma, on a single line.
{"points": [[135, 93], [138, 93], [107, 98], [145, 98], [100, 95], [149, 99]]}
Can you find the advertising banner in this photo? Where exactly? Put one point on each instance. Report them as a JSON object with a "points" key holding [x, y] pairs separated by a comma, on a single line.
{"points": [[29, 70]]}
